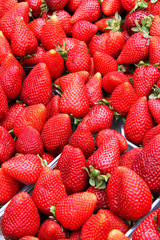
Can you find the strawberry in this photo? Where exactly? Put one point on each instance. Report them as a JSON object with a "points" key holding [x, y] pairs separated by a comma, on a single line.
{"points": [[68, 44], [87, 10], [56, 133], [98, 43], [65, 18], [23, 41], [34, 116], [75, 235], [4, 103], [35, 6], [5, 48], [153, 7], [32, 60], [24, 168], [134, 50], [122, 98], [128, 195], [147, 163], [36, 27], [50, 230], [148, 229], [133, 4], [7, 21], [107, 134], [144, 78], [150, 134], [53, 106], [78, 58], [47, 157], [104, 63], [54, 62], [56, 4], [29, 238], [98, 118], [106, 158], [52, 33], [112, 79], [154, 107], [115, 234], [8, 187], [127, 158], [72, 5], [102, 24], [154, 50], [6, 6], [84, 30], [75, 206], [155, 29], [49, 190], [138, 121], [110, 7], [37, 87], [20, 218], [82, 138], [74, 99], [94, 89], [29, 141], [91, 70]]}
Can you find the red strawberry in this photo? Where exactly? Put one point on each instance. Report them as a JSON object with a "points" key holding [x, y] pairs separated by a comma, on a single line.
{"points": [[127, 158], [98, 43], [49, 190], [35, 6], [133, 4], [72, 5], [47, 157], [98, 118], [110, 7], [52, 33], [75, 235], [36, 27], [104, 63], [37, 87], [87, 10], [144, 78], [82, 138], [94, 89], [6, 5], [84, 30], [128, 195], [24, 168], [54, 62], [53, 106], [7, 21], [107, 134], [34, 116], [150, 134], [23, 41], [50, 230], [102, 24], [20, 218], [65, 18], [5, 48], [115, 234], [56, 133], [56, 4], [138, 121], [76, 206], [112, 79], [155, 29], [134, 50], [154, 107], [4, 103], [8, 187], [91, 70], [68, 44], [153, 7], [29, 238], [35, 58], [29, 141]]}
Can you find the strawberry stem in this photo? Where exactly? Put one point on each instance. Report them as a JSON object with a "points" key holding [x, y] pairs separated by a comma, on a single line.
{"points": [[43, 162], [52, 210]]}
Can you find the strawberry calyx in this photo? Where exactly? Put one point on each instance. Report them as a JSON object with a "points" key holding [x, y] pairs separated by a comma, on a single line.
{"points": [[140, 4], [52, 210], [156, 92], [96, 179], [114, 23], [62, 51], [44, 7]]}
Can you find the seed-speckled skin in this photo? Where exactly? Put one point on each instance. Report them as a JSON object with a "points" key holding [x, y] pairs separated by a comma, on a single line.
{"points": [[7, 5], [64, 18], [154, 107], [5, 48], [138, 121], [127, 158], [101, 195], [128, 5], [29, 238], [35, 5], [128, 195], [150, 134], [56, 4], [76, 206], [35, 58], [20, 218], [24, 168], [4, 103], [53, 106], [36, 27], [8, 187], [49, 190], [115, 234], [110, 7]]}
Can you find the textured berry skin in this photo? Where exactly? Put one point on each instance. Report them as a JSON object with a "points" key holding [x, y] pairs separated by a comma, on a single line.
{"points": [[8, 187], [49, 190], [47, 157], [24, 168], [98, 118], [128, 5], [148, 229], [20, 218], [50, 230], [138, 121], [56, 4], [65, 18], [29, 141], [147, 164], [154, 107], [35, 5], [75, 235], [6, 5], [29, 238], [127, 158], [82, 138], [4, 103], [153, 8], [75, 206], [101, 195], [36, 27], [53, 106], [7, 145], [102, 24], [116, 235], [72, 5], [71, 164], [128, 195], [134, 50], [56, 133], [35, 58], [5, 48], [155, 29], [98, 43], [150, 134], [110, 7]]}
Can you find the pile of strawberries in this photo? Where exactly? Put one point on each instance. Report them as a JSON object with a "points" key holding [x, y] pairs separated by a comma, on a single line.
{"points": [[68, 70]]}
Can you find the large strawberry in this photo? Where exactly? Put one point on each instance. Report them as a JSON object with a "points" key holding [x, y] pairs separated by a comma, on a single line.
{"points": [[20, 218], [5, 48], [49, 190], [128, 195]]}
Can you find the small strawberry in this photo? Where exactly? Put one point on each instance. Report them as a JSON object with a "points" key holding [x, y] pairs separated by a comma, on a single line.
{"points": [[75, 206], [36, 27], [35, 6], [53, 106], [49, 190], [87, 10], [128, 195], [153, 7], [47, 157], [154, 107], [115, 234], [8, 187], [64, 18], [150, 134], [110, 7], [56, 4], [32, 60], [5, 47], [20, 218], [138, 121], [56, 133], [133, 4], [98, 43], [4, 103], [72, 5], [127, 158], [29, 142]]}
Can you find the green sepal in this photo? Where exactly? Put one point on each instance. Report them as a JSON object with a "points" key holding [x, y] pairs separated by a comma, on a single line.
{"points": [[140, 4], [44, 7], [155, 217], [52, 210], [62, 51], [156, 92], [43, 162], [114, 23], [121, 68]]}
